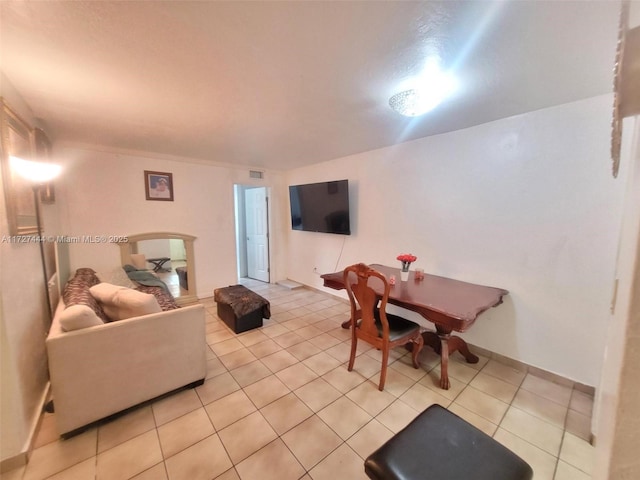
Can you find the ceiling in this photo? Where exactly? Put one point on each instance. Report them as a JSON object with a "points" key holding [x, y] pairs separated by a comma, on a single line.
{"points": [[279, 85]]}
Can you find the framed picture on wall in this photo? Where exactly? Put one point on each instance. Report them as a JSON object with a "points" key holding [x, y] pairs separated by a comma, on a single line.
{"points": [[158, 186]]}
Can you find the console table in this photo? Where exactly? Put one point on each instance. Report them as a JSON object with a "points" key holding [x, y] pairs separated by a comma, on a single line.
{"points": [[451, 305]]}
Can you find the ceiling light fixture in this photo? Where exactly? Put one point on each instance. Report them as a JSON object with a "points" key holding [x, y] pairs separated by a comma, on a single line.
{"points": [[432, 88]]}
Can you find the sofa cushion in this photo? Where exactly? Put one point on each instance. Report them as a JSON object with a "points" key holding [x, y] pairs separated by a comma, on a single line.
{"points": [[76, 292], [76, 317], [121, 303]]}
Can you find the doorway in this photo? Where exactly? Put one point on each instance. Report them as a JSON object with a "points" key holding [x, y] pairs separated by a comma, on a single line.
{"points": [[252, 232]]}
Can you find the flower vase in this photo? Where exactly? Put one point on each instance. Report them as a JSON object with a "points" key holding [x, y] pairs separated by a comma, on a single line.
{"points": [[404, 275]]}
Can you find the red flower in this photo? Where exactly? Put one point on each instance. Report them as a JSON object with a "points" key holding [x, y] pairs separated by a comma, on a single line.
{"points": [[407, 257]]}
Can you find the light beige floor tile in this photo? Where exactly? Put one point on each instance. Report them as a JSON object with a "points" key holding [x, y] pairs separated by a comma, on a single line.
{"points": [[317, 394], [428, 359], [577, 453], [227, 346], [215, 367], [80, 471], [420, 397], [579, 425], [542, 463], [237, 358], [344, 417], [279, 360], [220, 335], [343, 380], [265, 348], [483, 404], [495, 387], [555, 392], [532, 429], [309, 453], [325, 341], [176, 405], [309, 332], [227, 410], [217, 387], [230, 474], [273, 462], [275, 330], [460, 372], [184, 432], [340, 333], [482, 361], [125, 428], [549, 411], [504, 372], [203, 461], [394, 353], [252, 337], [157, 472], [564, 471], [129, 458], [340, 352], [343, 460], [60, 455], [321, 363], [367, 366], [296, 375], [432, 381], [246, 436], [266, 391], [407, 370], [303, 350], [397, 416], [474, 419], [581, 403], [369, 438], [285, 413], [250, 373], [288, 339], [370, 399]]}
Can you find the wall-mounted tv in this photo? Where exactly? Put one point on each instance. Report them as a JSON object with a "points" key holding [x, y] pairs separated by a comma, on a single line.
{"points": [[321, 207]]}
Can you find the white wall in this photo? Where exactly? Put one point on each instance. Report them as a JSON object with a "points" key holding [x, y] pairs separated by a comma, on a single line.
{"points": [[525, 203], [104, 195]]}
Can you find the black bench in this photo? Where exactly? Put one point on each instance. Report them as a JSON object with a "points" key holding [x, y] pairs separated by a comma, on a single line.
{"points": [[439, 445], [240, 308]]}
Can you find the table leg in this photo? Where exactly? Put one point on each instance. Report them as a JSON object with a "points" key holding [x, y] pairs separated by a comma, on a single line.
{"points": [[445, 345]]}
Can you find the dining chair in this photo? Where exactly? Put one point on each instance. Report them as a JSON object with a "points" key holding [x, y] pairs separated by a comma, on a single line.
{"points": [[370, 321]]}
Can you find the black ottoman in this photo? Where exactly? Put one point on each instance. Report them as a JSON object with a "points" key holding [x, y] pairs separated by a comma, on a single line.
{"points": [[240, 308], [182, 277], [439, 445]]}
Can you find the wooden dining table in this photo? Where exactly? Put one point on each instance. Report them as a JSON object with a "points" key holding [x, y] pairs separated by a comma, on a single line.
{"points": [[451, 305]]}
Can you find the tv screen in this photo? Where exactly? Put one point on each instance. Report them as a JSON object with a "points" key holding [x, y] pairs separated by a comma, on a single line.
{"points": [[321, 207]]}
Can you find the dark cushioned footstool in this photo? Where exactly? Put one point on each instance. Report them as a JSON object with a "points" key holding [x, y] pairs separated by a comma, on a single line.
{"points": [[240, 308], [182, 277], [439, 445]]}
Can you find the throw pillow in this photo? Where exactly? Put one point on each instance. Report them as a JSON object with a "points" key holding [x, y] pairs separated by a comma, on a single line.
{"points": [[121, 303], [76, 317]]}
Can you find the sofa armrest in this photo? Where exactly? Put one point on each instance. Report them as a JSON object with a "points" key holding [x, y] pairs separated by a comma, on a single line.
{"points": [[101, 370]]}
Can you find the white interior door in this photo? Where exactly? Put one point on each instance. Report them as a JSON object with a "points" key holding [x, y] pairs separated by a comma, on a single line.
{"points": [[257, 233]]}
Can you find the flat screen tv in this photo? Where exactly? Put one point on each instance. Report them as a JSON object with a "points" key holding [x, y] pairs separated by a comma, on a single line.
{"points": [[321, 207]]}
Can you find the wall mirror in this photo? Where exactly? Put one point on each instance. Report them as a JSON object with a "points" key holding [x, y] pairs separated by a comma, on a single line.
{"points": [[170, 256], [19, 198]]}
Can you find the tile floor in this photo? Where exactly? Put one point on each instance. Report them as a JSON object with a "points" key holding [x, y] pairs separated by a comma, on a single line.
{"points": [[278, 403]]}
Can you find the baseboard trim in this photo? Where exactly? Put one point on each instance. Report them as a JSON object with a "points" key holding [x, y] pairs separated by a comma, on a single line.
{"points": [[22, 458]]}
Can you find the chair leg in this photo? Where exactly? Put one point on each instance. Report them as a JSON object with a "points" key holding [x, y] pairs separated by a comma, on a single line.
{"points": [[383, 372], [418, 343], [352, 358]]}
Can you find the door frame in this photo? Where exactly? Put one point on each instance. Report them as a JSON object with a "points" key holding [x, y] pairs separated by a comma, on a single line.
{"points": [[240, 219]]}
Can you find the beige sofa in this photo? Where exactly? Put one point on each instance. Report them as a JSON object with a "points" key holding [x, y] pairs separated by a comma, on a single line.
{"points": [[103, 369]]}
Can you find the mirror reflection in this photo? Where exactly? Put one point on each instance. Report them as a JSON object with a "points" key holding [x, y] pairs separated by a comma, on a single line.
{"points": [[169, 256]]}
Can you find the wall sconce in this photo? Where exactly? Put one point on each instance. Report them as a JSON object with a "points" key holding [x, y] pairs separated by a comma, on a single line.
{"points": [[38, 174]]}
